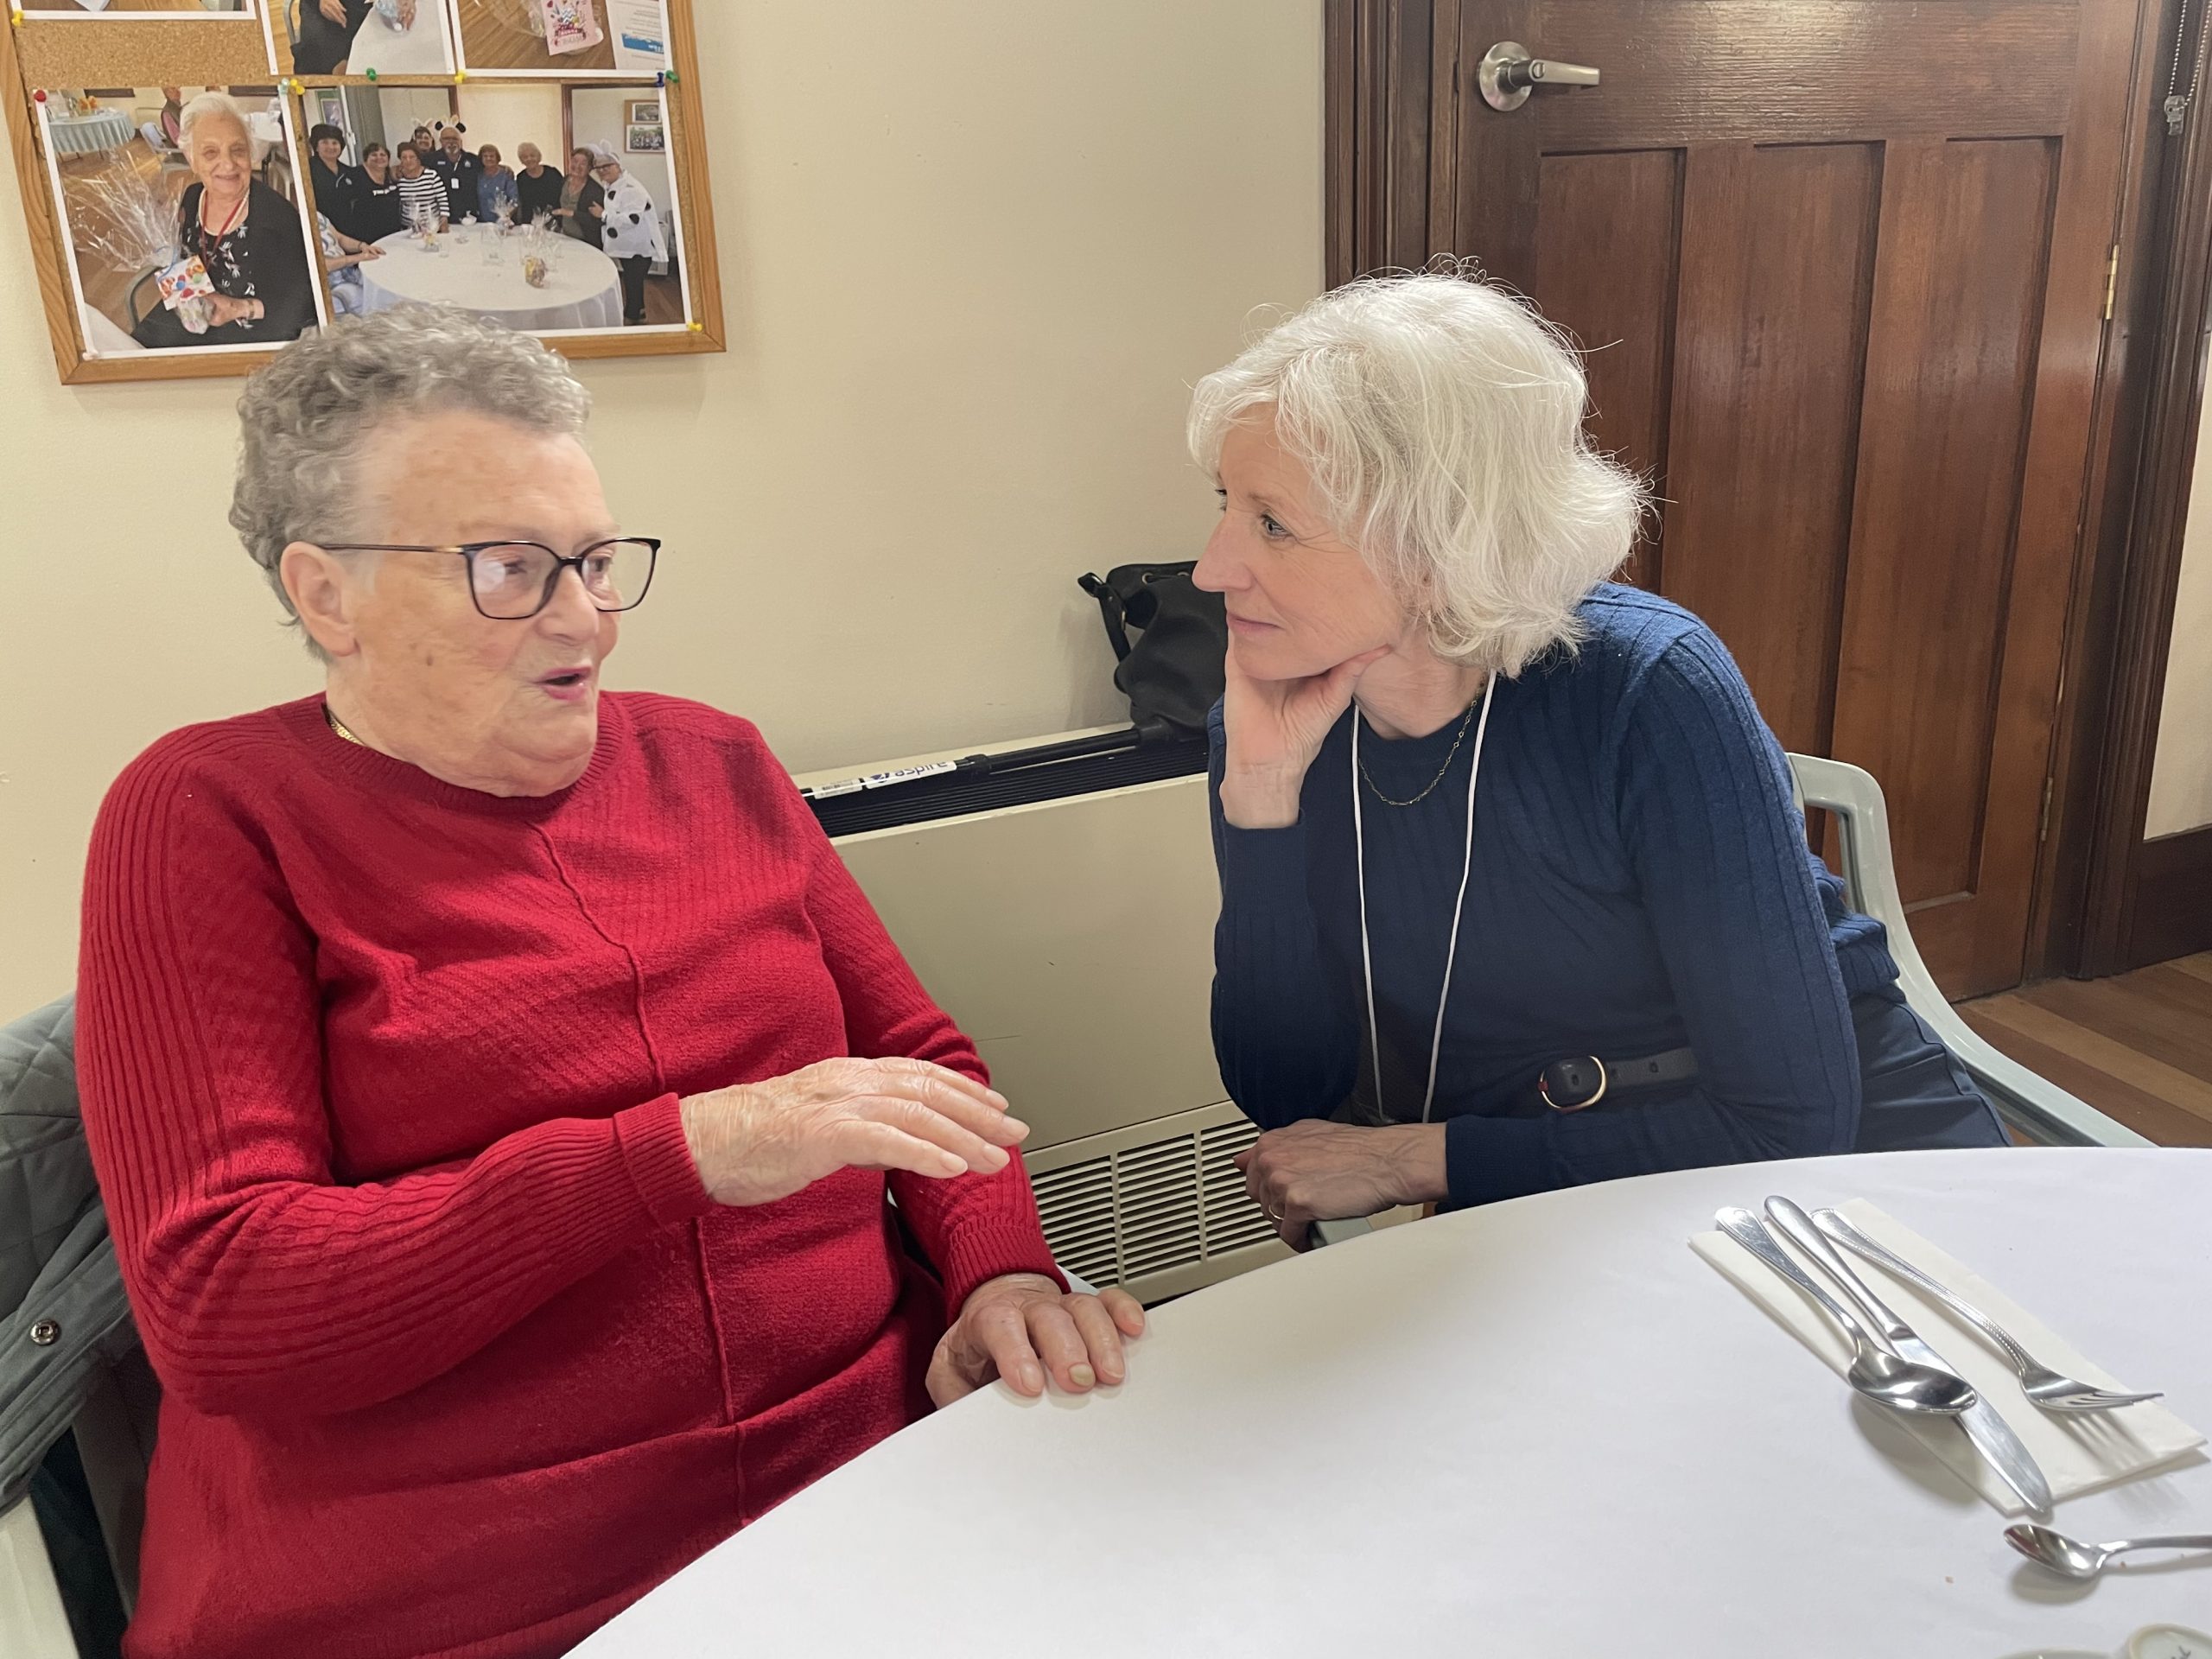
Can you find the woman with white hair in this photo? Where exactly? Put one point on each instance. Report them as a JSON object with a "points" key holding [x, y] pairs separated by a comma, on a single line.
{"points": [[498, 1085], [1615, 956], [246, 235]]}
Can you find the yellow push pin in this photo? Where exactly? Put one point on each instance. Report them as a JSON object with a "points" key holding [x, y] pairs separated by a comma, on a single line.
{"points": [[696, 328], [460, 75]]}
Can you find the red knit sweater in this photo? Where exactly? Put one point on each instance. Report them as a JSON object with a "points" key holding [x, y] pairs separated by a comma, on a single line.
{"points": [[381, 1076]]}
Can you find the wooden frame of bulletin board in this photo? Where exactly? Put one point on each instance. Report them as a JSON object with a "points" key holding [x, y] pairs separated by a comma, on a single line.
{"points": [[57, 61]]}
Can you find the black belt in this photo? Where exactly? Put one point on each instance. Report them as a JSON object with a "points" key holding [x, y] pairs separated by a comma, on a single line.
{"points": [[1570, 1085]]}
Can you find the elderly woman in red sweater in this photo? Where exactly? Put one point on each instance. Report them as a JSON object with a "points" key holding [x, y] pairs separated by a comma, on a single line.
{"points": [[498, 1083]]}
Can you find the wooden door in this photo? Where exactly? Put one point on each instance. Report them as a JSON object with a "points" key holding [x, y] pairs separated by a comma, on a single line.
{"points": [[1841, 269]]}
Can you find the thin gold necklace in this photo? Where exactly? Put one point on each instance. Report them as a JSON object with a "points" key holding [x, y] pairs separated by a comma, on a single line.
{"points": [[339, 726], [1465, 720]]}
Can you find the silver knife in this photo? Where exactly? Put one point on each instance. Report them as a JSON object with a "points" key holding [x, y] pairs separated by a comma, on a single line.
{"points": [[1990, 1434]]}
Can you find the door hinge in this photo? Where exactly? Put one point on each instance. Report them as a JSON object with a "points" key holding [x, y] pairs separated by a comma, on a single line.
{"points": [[2043, 828], [2112, 280]]}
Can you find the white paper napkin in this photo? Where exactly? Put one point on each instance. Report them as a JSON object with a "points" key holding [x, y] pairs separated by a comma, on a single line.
{"points": [[2079, 1452]]}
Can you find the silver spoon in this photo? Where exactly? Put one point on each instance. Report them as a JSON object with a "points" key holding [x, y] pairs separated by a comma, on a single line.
{"points": [[2076, 1559], [2052, 1391], [1875, 1372]]}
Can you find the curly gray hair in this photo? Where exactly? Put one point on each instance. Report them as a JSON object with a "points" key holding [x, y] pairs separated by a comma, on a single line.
{"points": [[1440, 420], [209, 105], [304, 417]]}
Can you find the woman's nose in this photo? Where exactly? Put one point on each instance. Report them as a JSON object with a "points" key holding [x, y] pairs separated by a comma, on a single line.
{"points": [[569, 614], [1218, 570]]}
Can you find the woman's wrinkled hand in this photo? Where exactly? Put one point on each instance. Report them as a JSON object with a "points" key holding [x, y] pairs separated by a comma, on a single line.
{"points": [[222, 308], [334, 10], [1315, 1170], [1274, 728], [756, 1142], [1020, 1326]]}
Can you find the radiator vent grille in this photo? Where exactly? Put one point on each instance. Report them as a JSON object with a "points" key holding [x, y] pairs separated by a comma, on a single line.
{"points": [[1149, 1208]]}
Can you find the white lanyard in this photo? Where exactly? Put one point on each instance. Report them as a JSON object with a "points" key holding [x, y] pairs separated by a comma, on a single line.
{"points": [[1452, 948]]}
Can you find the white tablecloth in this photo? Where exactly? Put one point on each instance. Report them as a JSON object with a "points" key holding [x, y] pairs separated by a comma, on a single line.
{"points": [[1537, 1430], [418, 51], [83, 135], [585, 290]]}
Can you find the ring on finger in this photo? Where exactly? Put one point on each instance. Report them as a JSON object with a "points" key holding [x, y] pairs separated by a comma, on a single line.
{"points": [[1275, 1214]]}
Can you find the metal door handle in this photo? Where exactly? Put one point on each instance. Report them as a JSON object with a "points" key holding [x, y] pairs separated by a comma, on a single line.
{"points": [[1508, 74]]}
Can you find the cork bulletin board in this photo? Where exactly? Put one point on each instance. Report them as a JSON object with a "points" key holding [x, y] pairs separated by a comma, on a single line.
{"points": [[205, 181]]}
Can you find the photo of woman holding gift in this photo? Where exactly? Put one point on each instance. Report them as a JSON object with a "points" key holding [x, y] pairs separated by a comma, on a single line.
{"points": [[244, 235], [181, 217]]}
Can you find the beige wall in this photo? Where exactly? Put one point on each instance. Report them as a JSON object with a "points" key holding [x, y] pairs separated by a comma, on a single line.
{"points": [[512, 115], [973, 254], [2181, 774]]}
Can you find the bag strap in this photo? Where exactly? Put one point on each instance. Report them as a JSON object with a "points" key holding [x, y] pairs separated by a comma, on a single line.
{"points": [[1112, 611]]}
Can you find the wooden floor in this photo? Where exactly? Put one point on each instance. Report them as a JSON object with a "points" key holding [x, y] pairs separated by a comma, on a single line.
{"points": [[2137, 1047]]}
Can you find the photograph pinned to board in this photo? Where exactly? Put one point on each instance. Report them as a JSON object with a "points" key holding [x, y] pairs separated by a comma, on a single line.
{"points": [[311, 38], [495, 218], [111, 10], [179, 219], [563, 39]]}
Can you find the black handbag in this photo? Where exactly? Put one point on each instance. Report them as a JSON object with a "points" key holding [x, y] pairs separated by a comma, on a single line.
{"points": [[1172, 672]]}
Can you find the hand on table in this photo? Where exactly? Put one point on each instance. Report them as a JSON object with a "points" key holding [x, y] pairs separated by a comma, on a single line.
{"points": [[1273, 729], [756, 1142], [1021, 1325], [407, 14], [1315, 1170]]}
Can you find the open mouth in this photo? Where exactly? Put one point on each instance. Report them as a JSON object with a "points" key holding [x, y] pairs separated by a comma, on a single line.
{"points": [[568, 681]]}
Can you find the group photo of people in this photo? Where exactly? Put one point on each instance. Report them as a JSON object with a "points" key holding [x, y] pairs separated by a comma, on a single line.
{"points": [[543, 206], [182, 216]]}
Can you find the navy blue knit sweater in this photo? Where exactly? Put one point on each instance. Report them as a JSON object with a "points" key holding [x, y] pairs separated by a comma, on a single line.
{"points": [[1641, 881]]}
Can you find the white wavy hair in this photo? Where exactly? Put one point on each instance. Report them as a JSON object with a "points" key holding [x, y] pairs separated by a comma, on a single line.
{"points": [[221, 106], [1440, 419]]}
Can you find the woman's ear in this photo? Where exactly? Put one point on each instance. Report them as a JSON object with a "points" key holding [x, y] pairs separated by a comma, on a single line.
{"points": [[322, 595]]}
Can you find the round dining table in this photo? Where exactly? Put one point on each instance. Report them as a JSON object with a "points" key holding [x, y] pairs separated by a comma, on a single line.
{"points": [[1540, 1427], [583, 291], [91, 132]]}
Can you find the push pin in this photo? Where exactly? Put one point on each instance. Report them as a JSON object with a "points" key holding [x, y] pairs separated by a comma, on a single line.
{"points": [[668, 77], [660, 78], [370, 74], [460, 75], [696, 328], [38, 97]]}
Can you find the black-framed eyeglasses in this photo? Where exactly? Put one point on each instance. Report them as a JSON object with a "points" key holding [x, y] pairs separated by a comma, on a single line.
{"points": [[512, 581]]}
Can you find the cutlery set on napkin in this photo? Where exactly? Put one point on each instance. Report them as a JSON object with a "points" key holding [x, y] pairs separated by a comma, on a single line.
{"points": [[2004, 1403]]}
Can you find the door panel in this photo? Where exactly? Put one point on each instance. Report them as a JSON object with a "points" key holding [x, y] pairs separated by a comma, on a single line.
{"points": [[1958, 301], [1630, 203], [1839, 268], [1778, 257]]}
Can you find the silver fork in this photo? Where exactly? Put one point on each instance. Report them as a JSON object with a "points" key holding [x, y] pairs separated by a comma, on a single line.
{"points": [[2050, 1390]]}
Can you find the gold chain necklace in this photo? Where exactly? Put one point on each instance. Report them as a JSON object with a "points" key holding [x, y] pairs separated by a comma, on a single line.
{"points": [[339, 726], [1465, 720]]}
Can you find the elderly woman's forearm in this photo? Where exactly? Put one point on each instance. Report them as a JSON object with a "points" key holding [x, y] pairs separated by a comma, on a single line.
{"points": [[294, 1298]]}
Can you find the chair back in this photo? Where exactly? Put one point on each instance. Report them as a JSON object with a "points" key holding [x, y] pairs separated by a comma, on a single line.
{"points": [[2038, 1109]]}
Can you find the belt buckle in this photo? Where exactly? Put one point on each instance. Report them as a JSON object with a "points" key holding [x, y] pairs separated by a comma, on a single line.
{"points": [[1544, 1083]]}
